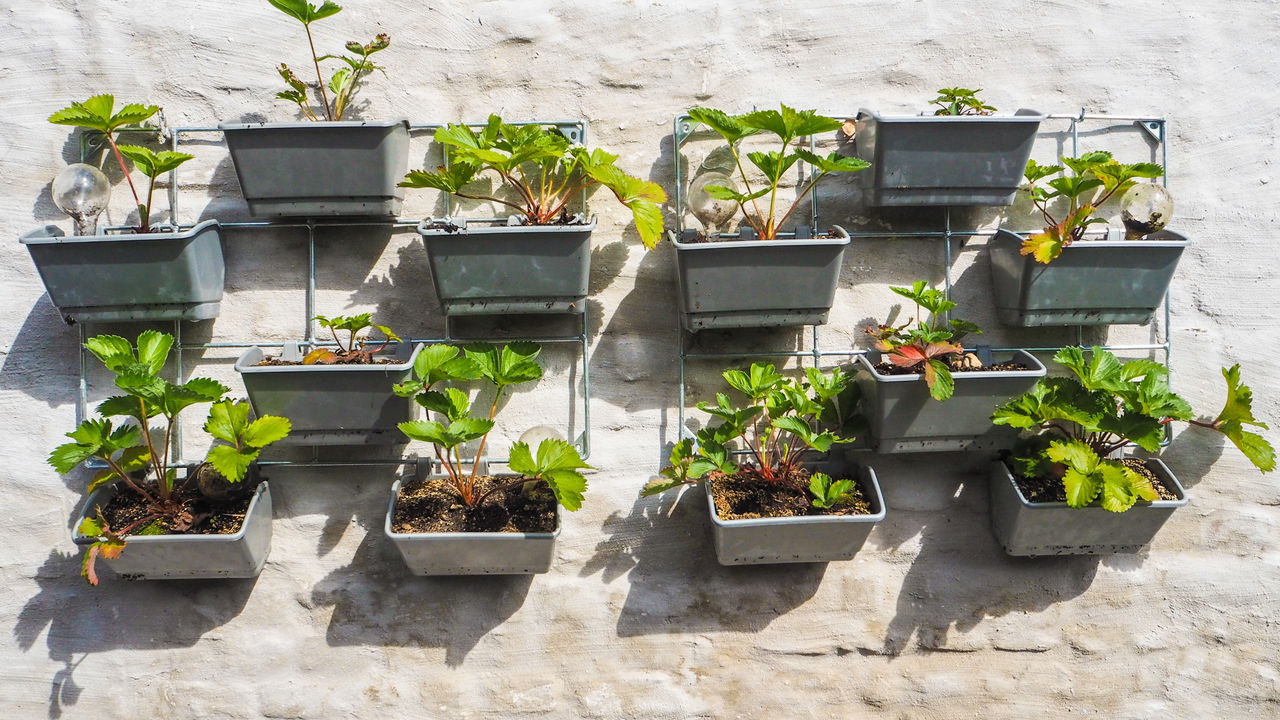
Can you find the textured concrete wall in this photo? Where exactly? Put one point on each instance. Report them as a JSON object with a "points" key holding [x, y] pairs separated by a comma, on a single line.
{"points": [[636, 619]]}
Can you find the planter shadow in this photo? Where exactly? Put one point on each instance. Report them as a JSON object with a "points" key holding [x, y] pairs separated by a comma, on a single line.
{"points": [[675, 584]]}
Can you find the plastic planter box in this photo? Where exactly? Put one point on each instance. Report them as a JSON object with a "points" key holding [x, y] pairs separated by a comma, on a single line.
{"points": [[320, 169], [944, 159], [332, 404], [808, 538], [192, 557], [905, 418], [1054, 528], [1093, 282], [758, 283], [153, 276], [470, 553], [497, 269]]}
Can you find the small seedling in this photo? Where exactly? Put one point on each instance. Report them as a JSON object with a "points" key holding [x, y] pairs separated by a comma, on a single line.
{"points": [[788, 125], [961, 101], [928, 346], [1095, 178], [543, 169], [354, 349], [98, 114], [1078, 422], [345, 81]]}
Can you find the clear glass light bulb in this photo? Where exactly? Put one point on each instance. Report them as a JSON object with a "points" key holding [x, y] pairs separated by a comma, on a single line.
{"points": [[82, 192], [712, 212], [536, 434], [1145, 208]]}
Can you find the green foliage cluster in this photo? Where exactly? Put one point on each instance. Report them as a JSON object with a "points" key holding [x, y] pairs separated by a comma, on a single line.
{"points": [[1095, 178], [1078, 422], [130, 451], [961, 101], [544, 170], [928, 345], [783, 421], [354, 349], [345, 81], [98, 114], [788, 125], [556, 463]]}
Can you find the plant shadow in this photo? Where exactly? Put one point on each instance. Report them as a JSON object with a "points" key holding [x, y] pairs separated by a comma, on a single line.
{"points": [[78, 621]]}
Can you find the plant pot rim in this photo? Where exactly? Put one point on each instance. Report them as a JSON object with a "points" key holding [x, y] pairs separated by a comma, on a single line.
{"points": [[242, 365], [1021, 115], [79, 539], [1166, 476], [313, 124], [873, 484], [1174, 240], [1038, 370], [391, 511], [426, 227], [841, 238], [51, 235]]}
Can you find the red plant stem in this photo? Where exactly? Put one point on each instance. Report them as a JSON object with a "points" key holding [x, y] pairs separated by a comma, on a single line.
{"points": [[746, 185], [115, 467], [492, 199], [125, 171], [567, 196], [493, 411], [146, 519], [800, 197]]}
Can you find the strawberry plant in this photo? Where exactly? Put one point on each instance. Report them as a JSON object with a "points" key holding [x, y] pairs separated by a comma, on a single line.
{"points": [[929, 347], [555, 464], [543, 170], [784, 422], [98, 115], [961, 101], [1095, 178], [354, 349], [140, 462], [1078, 422], [788, 125], [345, 81]]}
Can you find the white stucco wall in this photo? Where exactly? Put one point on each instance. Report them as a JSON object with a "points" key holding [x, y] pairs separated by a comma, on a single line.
{"points": [[636, 619]]}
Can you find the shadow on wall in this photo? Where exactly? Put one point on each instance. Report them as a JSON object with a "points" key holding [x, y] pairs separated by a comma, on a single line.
{"points": [[81, 620], [42, 361], [960, 576], [676, 585], [376, 603]]}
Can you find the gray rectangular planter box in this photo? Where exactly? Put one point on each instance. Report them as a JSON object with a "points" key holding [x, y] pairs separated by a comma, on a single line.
{"points": [[191, 557], [320, 169], [501, 269], [758, 283], [1093, 282], [332, 404], [905, 418], [1054, 528], [175, 275], [944, 159], [470, 553], [807, 538]]}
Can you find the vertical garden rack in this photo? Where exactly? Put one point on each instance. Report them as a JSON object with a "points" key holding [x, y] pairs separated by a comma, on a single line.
{"points": [[683, 127], [575, 130]]}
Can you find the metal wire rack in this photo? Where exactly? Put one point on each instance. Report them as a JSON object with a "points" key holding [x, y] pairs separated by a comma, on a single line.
{"points": [[574, 130], [683, 128]]}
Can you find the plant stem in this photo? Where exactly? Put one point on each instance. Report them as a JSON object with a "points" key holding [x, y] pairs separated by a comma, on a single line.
{"points": [[493, 411], [125, 171], [800, 197], [504, 486], [315, 59], [746, 185], [493, 199]]}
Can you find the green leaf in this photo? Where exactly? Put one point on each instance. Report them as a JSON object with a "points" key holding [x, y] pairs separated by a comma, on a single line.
{"points": [[1036, 171], [1074, 454], [233, 464], [759, 381], [788, 123], [938, 377], [514, 363], [114, 351], [1117, 487], [727, 126], [305, 12], [266, 430], [452, 403], [153, 164], [660, 484], [1081, 488], [641, 197], [96, 113], [153, 349], [227, 421], [557, 464], [1143, 430], [833, 162], [68, 456], [773, 164], [721, 192], [1102, 371], [1083, 163]]}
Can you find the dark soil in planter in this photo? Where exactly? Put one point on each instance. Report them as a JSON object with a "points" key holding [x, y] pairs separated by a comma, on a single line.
{"points": [[1041, 489], [745, 496], [350, 360], [432, 505], [956, 366], [701, 237], [211, 518]]}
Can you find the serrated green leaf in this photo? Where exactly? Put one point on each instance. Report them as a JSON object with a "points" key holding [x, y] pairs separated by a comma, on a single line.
{"points": [[266, 430], [727, 126], [1081, 488], [233, 464]]}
